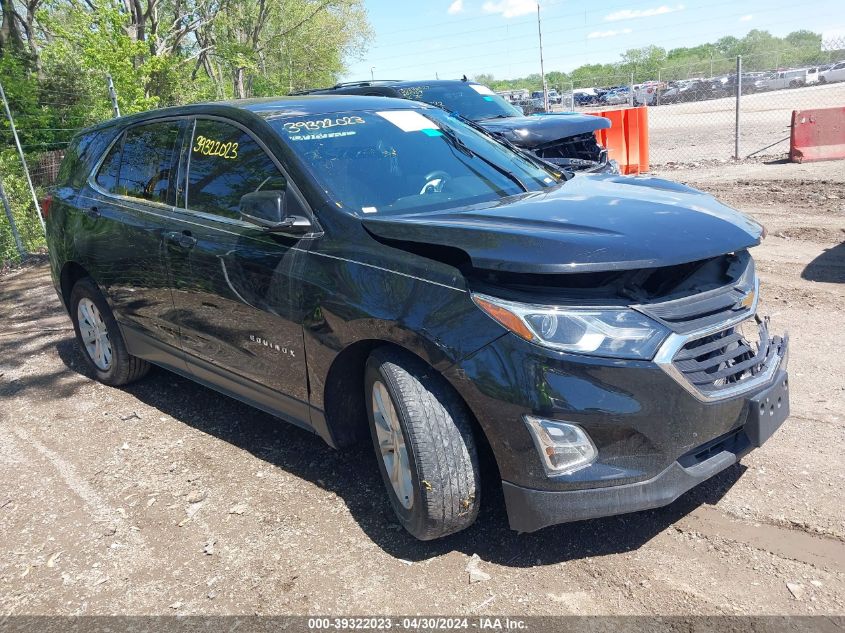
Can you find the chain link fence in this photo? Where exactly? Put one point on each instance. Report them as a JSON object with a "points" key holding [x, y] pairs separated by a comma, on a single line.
{"points": [[40, 134], [695, 113]]}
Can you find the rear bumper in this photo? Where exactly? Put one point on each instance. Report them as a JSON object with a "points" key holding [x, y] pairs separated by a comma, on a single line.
{"points": [[530, 510]]}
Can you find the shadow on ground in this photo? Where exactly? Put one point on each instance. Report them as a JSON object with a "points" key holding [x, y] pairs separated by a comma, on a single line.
{"points": [[828, 267], [353, 475]]}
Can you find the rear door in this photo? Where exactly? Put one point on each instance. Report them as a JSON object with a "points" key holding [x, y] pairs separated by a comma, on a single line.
{"points": [[127, 208], [236, 285]]}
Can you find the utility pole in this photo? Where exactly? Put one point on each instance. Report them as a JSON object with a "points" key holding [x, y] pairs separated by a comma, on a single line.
{"points": [[113, 96], [738, 96], [372, 73], [23, 158], [542, 70]]}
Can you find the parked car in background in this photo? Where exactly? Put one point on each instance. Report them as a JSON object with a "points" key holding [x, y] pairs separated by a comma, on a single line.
{"points": [[617, 96], [646, 93], [789, 79], [836, 72], [566, 139], [585, 96], [378, 270]]}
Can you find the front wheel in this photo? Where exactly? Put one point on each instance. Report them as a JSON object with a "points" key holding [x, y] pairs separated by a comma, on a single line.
{"points": [[100, 338], [423, 440]]}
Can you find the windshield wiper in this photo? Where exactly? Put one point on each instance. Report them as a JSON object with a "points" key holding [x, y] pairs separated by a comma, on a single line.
{"points": [[496, 116], [454, 140]]}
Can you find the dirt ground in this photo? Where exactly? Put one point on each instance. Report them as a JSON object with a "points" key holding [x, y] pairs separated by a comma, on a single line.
{"points": [[167, 498]]}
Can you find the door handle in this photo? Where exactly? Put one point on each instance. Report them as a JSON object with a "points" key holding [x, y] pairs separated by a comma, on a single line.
{"points": [[92, 212], [183, 238]]}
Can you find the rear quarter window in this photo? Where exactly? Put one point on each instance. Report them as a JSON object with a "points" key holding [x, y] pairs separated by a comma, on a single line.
{"points": [[82, 153]]}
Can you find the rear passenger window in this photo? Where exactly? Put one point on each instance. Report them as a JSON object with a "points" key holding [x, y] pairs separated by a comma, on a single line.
{"points": [[225, 164], [140, 162], [110, 169], [148, 152]]}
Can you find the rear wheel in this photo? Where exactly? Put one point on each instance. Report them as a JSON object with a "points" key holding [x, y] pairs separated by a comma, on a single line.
{"points": [[423, 440], [99, 337]]}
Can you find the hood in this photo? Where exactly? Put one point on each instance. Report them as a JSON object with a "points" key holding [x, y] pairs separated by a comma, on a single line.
{"points": [[590, 223], [536, 130]]}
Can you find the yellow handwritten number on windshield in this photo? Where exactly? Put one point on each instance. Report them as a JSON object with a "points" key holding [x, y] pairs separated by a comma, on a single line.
{"points": [[210, 147]]}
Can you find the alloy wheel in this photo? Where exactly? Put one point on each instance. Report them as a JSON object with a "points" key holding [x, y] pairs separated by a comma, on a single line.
{"points": [[94, 334], [391, 442]]}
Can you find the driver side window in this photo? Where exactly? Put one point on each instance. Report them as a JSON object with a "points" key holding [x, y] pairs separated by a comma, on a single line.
{"points": [[225, 163]]}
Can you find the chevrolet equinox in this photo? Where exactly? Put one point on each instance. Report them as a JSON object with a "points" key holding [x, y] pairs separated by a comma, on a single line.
{"points": [[366, 266]]}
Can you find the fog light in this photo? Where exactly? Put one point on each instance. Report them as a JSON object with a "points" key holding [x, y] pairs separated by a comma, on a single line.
{"points": [[564, 448]]}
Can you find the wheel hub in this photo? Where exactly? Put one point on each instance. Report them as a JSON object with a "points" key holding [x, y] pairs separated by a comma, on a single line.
{"points": [[94, 334], [391, 441]]}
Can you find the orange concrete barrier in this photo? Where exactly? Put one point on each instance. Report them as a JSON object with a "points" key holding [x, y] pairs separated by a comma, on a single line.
{"points": [[626, 139], [817, 135]]}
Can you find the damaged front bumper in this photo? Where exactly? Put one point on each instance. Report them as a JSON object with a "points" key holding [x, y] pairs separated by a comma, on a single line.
{"points": [[655, 438]]}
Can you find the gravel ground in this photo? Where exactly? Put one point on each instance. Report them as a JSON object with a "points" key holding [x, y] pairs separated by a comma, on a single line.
{"points": [[167, 498]]}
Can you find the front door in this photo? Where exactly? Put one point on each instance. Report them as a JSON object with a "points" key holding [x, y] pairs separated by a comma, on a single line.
{"points": [[235, 284]]}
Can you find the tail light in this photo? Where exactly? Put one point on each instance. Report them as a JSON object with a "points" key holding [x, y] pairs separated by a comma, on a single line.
{"points": [[46, 203]]}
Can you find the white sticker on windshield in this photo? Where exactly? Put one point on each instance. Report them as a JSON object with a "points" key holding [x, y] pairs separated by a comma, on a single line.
{"points": [[369, 209], [408, 120], [482, 90]]}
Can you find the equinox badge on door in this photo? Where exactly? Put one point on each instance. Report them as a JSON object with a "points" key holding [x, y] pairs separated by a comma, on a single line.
{"points": [[271, 345]]}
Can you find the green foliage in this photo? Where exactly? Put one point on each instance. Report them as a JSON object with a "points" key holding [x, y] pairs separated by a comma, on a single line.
{"points": [[20, 199], [158, 53]]}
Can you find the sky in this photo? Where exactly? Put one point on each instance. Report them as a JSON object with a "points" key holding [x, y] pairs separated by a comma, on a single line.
{"points": [[424, 39]]}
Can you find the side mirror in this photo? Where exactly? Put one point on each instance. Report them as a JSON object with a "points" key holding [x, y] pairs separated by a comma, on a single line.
{"points": [[267, 210]]}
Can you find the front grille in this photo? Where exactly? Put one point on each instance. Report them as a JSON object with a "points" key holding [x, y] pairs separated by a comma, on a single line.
{"points": [[723, 359]]}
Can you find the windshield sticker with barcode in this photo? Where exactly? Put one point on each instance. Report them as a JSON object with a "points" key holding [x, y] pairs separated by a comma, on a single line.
{"points": [[482, 90], [408, 120]]}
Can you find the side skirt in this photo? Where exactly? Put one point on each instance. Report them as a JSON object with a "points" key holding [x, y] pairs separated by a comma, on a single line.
{"points": [[279, 405]]}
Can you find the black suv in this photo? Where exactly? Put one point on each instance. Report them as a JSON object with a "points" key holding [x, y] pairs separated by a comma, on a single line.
{"points": [[566, 139], [369, 266]]}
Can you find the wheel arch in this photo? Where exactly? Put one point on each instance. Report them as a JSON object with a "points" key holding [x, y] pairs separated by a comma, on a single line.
{"points": [[71, 273], [344, 399]]}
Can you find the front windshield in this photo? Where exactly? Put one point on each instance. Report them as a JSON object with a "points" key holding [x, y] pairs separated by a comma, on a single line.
{"points": [[470, 100], [401, 161]]}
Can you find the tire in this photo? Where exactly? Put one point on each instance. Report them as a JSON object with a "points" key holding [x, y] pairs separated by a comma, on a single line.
{"points": [[436, 432], [822, 80], [122, 367]]}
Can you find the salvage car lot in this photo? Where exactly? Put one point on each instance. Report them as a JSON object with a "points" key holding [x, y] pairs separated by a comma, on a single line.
{"points": [[165, 497], [701, 130]]}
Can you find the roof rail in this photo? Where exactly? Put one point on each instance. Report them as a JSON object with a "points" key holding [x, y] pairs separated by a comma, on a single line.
{"points": [[346, 84], [371, 82]]}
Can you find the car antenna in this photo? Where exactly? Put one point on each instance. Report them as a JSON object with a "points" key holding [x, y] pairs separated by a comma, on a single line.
{"points": [[464, 78]]}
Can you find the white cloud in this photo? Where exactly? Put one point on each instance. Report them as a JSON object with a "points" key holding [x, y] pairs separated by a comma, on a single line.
{"points": [[597, 34], [633, 14], [456, 7], [746, 18], [510, 8]]}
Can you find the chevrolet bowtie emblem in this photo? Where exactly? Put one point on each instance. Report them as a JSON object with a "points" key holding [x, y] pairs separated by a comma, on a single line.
{"points": [[748, 299]]}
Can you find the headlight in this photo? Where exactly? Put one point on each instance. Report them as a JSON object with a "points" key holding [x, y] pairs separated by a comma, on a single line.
{"points": [[612, 332]]}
